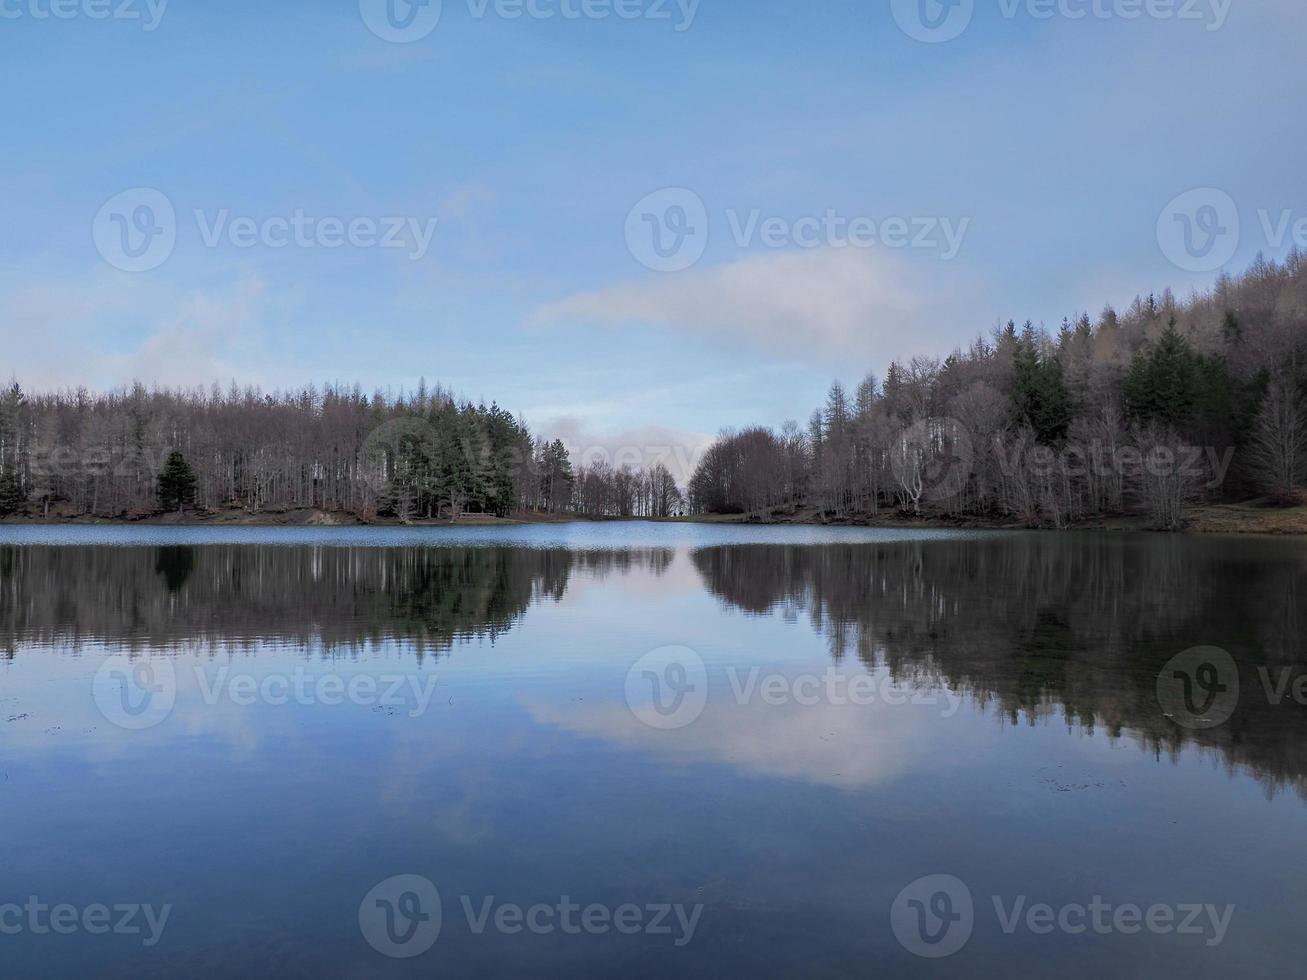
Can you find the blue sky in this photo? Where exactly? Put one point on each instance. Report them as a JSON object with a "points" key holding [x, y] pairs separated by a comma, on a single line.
{"points": [[1048, 147]]}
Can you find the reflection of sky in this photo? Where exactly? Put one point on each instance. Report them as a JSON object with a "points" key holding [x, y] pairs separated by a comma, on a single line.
{"points": [[528, 779]]}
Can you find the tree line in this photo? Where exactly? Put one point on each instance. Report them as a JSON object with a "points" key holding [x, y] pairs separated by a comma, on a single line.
{"points": [[1145, 410], [421, 455]]}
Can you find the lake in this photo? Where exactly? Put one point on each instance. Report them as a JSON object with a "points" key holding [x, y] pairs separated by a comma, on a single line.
{"points": [[649, 750]]}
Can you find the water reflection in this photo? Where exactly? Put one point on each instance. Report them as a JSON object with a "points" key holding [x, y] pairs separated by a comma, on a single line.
{"points": [[528, 775], [329, 597], [1036, 626]]}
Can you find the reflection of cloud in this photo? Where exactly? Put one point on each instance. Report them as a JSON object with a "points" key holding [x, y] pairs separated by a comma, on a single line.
{"points": [[847, 746]]}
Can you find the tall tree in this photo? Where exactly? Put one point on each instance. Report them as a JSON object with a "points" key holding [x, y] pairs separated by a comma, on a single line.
{"points": [[176, 483]]}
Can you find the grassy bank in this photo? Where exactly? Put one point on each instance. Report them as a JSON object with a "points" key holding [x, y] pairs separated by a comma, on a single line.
{"points": [[1253, 517]]}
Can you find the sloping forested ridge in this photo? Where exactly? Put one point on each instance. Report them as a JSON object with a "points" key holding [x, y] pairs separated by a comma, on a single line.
{"points": [[1147, 410]]}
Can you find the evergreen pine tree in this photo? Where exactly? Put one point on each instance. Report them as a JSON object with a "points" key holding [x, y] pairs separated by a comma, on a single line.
{"points": [[12, 497], [176, 483]]}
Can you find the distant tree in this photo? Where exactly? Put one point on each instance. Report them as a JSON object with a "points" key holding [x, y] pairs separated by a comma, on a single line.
{"points": [[12, 497], [1278, 445], [1039, 396], [1163, 383], [664, 495], [176, 483], [556, 477]]}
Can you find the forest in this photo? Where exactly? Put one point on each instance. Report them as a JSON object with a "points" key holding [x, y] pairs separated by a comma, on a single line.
{"points": [[422, 455], [1143, 411]]}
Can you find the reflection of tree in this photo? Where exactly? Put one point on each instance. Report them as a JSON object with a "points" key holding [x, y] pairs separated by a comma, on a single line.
{"points": [[174, 563], [1077, 626], [142, 597]]}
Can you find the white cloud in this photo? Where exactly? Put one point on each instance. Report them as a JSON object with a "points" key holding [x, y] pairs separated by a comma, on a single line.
{"points": [[209, 338], [820, 305], [676, 449], [58, 335]]}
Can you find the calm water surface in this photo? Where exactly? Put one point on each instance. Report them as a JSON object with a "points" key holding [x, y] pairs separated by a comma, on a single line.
{"points": [[737, 751]]}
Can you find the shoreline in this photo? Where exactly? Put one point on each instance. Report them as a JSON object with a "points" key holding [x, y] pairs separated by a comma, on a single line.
{"points": [[1243, 518]]}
